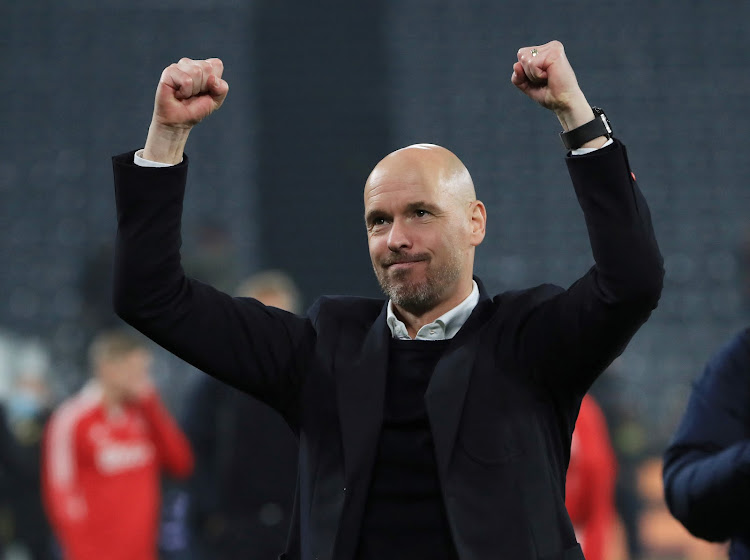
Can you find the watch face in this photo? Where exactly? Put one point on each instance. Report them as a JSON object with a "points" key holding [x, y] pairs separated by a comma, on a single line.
{"points": [[599, 112]]}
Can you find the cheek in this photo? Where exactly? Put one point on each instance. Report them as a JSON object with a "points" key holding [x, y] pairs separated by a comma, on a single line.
{"points": [[376, 246], [450, 242]]}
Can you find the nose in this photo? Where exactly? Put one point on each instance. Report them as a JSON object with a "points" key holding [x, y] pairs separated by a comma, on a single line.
{"points": [[398, 236]]}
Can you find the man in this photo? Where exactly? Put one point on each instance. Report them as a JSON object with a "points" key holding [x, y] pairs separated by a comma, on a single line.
{"points": [[104, 450], [453, 445], [246, 457], [706, 464], [22, 419]]}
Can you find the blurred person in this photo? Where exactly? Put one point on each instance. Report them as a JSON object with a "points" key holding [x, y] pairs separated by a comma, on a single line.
{"points": [[22, 420], [436, 424], [628, 439], [104, 450], [246, 456], [590, 483], [707, 463]]}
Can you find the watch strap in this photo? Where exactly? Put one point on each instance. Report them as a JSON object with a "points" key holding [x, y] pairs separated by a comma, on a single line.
{"points": [[595, 128]]}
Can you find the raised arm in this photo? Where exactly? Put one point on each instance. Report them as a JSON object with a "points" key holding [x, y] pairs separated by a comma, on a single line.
{"points": [[260, 350], [571, 336]]}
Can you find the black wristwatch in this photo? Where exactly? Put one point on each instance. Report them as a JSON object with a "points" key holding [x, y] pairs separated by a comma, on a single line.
{"points": [[577, 137]]}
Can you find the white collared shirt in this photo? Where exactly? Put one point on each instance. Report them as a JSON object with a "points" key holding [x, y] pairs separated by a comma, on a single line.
{"points": [[444, 327]]}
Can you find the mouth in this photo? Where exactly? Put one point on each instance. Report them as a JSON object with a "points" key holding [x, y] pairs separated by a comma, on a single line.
{"points": [[403, 264], [398, 267]]}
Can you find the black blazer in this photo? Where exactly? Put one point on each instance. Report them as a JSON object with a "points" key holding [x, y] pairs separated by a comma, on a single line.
{"points": [[502, 401]]}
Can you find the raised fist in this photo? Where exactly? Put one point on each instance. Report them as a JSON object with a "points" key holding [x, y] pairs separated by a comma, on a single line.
{"points": [[188, 92], [545, 75]]}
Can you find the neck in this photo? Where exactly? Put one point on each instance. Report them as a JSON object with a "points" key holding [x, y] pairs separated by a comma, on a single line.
{"points": [[415, 321], [111, 399]]}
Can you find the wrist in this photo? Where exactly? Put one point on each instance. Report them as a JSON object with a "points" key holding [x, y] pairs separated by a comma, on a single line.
{"points": [[574, 113], [592, 134], [165, 144]]}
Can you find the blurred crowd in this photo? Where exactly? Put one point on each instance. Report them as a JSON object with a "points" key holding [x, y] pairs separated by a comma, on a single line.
{"points": [[163, 456], [237, 500]]}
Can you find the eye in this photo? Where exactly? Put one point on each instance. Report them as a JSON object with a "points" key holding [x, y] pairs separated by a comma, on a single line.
{"points": [[377, 222], [421, 213]]}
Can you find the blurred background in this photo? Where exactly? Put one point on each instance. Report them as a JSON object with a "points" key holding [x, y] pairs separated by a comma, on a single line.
{"points": [[320, 92]]}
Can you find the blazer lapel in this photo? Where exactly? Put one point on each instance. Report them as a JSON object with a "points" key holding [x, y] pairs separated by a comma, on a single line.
{"points": [[445, 395], [361, 392]]}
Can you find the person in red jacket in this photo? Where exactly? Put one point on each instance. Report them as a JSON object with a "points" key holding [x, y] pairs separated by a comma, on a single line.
{"points": [[103, 452], [590, 483]]}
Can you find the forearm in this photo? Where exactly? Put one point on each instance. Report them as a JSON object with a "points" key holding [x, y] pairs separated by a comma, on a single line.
{"points": [[629, 266], [709, 493], [165, 144], [147, 258]]}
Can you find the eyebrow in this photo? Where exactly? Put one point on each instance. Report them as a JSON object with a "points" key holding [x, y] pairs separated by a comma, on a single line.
{"points": [[422, 205], [372, 215]]}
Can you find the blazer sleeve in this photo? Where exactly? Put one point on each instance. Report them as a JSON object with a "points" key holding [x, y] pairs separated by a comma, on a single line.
{"points": [[570, 336], [707, 463], [261, 350]]}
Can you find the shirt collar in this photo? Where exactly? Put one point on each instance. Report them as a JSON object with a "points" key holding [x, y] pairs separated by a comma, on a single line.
{"points": [[444, 327]]}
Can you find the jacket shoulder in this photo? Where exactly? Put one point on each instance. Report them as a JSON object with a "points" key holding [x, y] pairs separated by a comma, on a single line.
{"points": [[527, 299], [345, 311]]}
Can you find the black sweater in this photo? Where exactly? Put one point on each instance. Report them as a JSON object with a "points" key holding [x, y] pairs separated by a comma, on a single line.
{"points": [[404, 514]]}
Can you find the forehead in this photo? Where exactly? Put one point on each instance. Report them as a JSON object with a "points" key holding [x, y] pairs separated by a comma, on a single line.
{"points": [[128, 357], [401, 185]]}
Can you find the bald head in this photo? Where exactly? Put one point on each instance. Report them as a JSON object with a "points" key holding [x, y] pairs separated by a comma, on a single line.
{"points": [[425, 164], [423, 222]]}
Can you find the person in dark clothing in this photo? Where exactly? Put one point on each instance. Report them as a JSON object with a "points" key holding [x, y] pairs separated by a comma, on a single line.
{"points": [[707, 463], [22, 420], [240, 497], [437, 423]]}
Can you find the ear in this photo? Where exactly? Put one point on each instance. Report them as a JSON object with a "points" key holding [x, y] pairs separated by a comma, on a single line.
{"points": [[478, 222]]}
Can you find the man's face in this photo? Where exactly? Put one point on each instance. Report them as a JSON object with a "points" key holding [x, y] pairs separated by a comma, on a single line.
{"points": [[419, 236], [126, 376]]}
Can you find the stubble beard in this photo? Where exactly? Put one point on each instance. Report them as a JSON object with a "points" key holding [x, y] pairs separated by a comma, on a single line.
{"points": [[420, 296]]}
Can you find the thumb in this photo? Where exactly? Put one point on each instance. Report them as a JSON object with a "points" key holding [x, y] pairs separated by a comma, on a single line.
{"points": [[218, 88]]}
